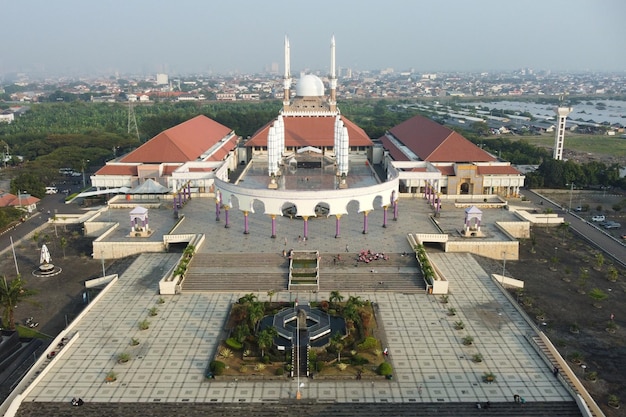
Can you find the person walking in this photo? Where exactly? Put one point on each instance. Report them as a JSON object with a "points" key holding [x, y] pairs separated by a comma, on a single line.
{"points": [[347, 248]]}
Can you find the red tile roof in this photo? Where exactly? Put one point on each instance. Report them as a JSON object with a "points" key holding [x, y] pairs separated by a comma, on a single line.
{"points": [[312, 131], [395, 152], [221, 153], [436, 143], [11, 200], [497, 170], [447, 170], [168, 169], [118, 169], [182, 143]]}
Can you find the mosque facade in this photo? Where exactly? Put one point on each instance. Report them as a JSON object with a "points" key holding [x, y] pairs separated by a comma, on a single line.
{"points": [[311, 160]]}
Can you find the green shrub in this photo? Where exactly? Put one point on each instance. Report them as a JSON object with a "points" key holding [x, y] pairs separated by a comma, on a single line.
{"points": [[217, 367], [369, 343], [358, 360], [279, 371], [319, 365], [385, 369], [266, 359], [234, 344]]}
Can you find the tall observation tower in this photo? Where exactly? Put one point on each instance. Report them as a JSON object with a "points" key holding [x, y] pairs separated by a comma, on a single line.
{"points": [[561, 113]]}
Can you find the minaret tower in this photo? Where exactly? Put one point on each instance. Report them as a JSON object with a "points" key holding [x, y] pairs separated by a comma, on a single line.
{"points": [[559, 140], [333, 77], [287, 76]]}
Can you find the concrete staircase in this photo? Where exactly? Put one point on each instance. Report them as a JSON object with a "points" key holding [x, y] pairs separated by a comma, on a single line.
{"points": [[264, 272], [236, 272], [303, 407]]}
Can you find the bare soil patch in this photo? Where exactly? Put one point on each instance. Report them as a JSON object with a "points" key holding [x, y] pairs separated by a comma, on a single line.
{"points": [[557, 293]]}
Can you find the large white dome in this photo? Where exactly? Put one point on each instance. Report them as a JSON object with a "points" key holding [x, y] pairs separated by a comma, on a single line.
{"points": [[310, 86]]}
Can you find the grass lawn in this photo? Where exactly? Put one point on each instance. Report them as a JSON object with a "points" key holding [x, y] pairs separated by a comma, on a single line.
{"points": [[596, 144], [27, 332]]}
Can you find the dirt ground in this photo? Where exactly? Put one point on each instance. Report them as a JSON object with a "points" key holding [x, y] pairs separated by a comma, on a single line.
{"points": [[557, 293], [59, 299]]}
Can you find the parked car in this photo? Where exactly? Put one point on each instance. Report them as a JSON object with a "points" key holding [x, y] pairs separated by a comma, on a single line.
{"points": [[598, 218], [612, 225]]}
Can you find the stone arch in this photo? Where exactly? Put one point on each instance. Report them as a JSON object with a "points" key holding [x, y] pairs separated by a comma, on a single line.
{"points": [[378, 202], [322, 209], [231, 201], [353, 206], [289, 209], [258, 206]]}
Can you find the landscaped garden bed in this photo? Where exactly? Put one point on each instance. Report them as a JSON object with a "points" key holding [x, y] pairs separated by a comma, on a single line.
{"points": [[255, 349]]}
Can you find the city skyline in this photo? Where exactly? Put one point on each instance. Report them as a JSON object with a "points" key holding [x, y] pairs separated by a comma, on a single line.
{"points": [[71, 37]]}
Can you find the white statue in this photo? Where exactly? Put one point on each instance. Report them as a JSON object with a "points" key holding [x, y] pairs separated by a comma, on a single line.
{"points": [[45, 255]]}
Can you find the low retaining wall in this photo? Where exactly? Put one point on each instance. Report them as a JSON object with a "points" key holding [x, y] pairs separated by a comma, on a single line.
{"points": [[492, 250]]}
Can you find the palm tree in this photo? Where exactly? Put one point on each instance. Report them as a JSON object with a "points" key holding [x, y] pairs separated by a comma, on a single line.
{"points": [[265, 338], [270, 294], [11, 294], [355, 301], [337, 342], [255, 313], [248, 298], [335, 298]]}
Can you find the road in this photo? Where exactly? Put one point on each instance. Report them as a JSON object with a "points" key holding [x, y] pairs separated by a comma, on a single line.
{"points": [[597, 236], [51, 204]]}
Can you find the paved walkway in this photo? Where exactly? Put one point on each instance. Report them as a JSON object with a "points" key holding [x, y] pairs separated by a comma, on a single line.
{"points": [[430, 362]]}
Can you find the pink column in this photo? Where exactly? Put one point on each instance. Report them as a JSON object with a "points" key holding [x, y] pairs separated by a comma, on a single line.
{"points": [[245, 223], [395, 210], [306, 226], [384, 216], [365, 222], [337, 225]]}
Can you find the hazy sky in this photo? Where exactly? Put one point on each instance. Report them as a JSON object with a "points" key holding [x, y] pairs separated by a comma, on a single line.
{"points": [[185, 36]]}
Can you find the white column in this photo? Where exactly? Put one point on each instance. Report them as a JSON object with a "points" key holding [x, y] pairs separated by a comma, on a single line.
{"points": [[343, 152], [272, 152]]}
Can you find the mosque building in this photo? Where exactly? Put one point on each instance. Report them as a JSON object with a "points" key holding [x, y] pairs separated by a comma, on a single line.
{"points": [[311, 160]]}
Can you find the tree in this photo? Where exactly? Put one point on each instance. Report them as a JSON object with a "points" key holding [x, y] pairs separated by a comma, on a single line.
{"points": [[63, 243], [598, 296], [265, 338], [335, 298], [248, 298], [255, 313], [12, 293], [599, 261], [337, 343], [270, 294], [36, 238]]}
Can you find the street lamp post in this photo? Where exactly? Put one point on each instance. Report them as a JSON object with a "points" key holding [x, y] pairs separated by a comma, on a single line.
{"points": [[571, 192], [503, 263]]}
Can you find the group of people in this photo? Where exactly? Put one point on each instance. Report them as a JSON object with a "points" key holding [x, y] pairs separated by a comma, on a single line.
{"points": [[77, 401], [367, 256]]}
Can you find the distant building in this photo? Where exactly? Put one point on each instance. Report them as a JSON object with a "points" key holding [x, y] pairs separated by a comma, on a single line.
{"points": [[162, 79]]}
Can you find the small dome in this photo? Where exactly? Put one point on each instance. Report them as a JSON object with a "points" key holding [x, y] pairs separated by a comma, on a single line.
{"points": [[309, 86]]}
